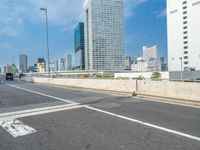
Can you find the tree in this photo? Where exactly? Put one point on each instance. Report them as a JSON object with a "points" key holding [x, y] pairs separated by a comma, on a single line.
{"points": [[156, 75]]}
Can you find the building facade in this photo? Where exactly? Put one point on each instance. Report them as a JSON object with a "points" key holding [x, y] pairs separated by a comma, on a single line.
{"points": [[150, 52], [68, 62], [79, 46], [23, 63], [183, 25], [104, 34], [128, 63], [140, 66], [41, 65], [61, 64]]}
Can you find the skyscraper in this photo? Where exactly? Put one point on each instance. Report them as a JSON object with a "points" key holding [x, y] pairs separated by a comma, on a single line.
{"points": [[61, 64], [79, 46], [150, 52], [41, 65], [183, 34], [104, 34], [68, 61], [23, 65]]}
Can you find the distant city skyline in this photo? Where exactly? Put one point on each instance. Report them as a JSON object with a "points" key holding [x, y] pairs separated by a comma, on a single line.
{"points": [[145, 25]]}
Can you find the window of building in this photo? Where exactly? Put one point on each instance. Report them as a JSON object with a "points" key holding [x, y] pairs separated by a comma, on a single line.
{"points": [[185, 27], [185, 17], [185, 7], [185, 2], [196, 3], [185, 57], [185, 37], [185, 12], [185, 52], [185, 42], [185, 47], [185, 22], [186, 62], [185, 32]]}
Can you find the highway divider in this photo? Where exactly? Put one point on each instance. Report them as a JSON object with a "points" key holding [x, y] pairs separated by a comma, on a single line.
{"points": [[166, 89]]}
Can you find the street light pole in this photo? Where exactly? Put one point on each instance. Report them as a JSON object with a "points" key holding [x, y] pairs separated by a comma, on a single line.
{"points": [[46, 14], [181, 59]]}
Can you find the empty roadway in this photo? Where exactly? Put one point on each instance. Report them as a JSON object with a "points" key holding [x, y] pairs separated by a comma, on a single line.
{"points": [[107, 122]]}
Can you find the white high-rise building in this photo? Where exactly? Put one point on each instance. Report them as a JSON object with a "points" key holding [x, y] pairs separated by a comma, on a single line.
{"points": [[104, 34], [150, 52], [183, 34], [23, 63], [61, 64], [68, 61]]}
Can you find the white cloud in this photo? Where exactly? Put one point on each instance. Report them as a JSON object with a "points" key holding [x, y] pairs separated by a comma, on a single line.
{"points": [[64, 14], [161, 13], [130, 5]]}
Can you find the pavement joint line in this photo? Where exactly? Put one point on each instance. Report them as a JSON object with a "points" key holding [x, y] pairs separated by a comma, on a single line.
{"points": [[36, 113], [42, 94], [146, 124], [165, 102]]}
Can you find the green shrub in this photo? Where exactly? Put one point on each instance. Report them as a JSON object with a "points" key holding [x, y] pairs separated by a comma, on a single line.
{"points": [[156, 75]]}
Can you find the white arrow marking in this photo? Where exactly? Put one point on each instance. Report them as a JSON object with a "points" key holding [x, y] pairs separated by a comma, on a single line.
{"points": [[16, 128]]}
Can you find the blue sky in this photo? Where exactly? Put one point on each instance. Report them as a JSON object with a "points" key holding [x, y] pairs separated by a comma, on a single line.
{"points": [[22, 27]]}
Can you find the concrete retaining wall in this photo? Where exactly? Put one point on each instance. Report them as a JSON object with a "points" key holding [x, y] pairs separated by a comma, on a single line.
{"points": [[169, 89], [111, 85]]}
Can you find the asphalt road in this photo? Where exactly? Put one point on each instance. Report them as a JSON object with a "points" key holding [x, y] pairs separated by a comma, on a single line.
{"points": [[62, 118]]}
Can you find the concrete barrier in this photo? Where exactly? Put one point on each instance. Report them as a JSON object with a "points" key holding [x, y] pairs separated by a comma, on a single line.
{"points": [[168, 89], [127, 86]]}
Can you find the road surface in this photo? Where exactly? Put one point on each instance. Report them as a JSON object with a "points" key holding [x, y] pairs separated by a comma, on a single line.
{"points": [[43, 117]]}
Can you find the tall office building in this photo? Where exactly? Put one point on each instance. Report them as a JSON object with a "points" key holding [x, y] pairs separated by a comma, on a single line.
{"points": [[150, 52], [79, 46], [68, 61], [61, 64], [41, 65], [104, 34], [128, 63], [23, 64], [183, 34]]}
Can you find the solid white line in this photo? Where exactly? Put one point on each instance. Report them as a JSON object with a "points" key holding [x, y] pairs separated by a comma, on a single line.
{"points": [[35, 113], [34, 110], [42, 94], [146, 124]]}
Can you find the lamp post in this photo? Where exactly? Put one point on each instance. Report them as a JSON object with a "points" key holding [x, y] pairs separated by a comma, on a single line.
{"points": [[45, 9], [181, 59]]}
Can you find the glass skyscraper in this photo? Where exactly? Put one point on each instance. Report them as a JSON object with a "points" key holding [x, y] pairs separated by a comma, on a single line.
{"points": [[104, 34], [79, 46]]}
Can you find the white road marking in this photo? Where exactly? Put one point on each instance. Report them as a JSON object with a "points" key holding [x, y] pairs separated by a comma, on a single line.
{"points": [[7, 114], [42, 94], [16, 128], [28, 113], [147, 124], [77, 105]]}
